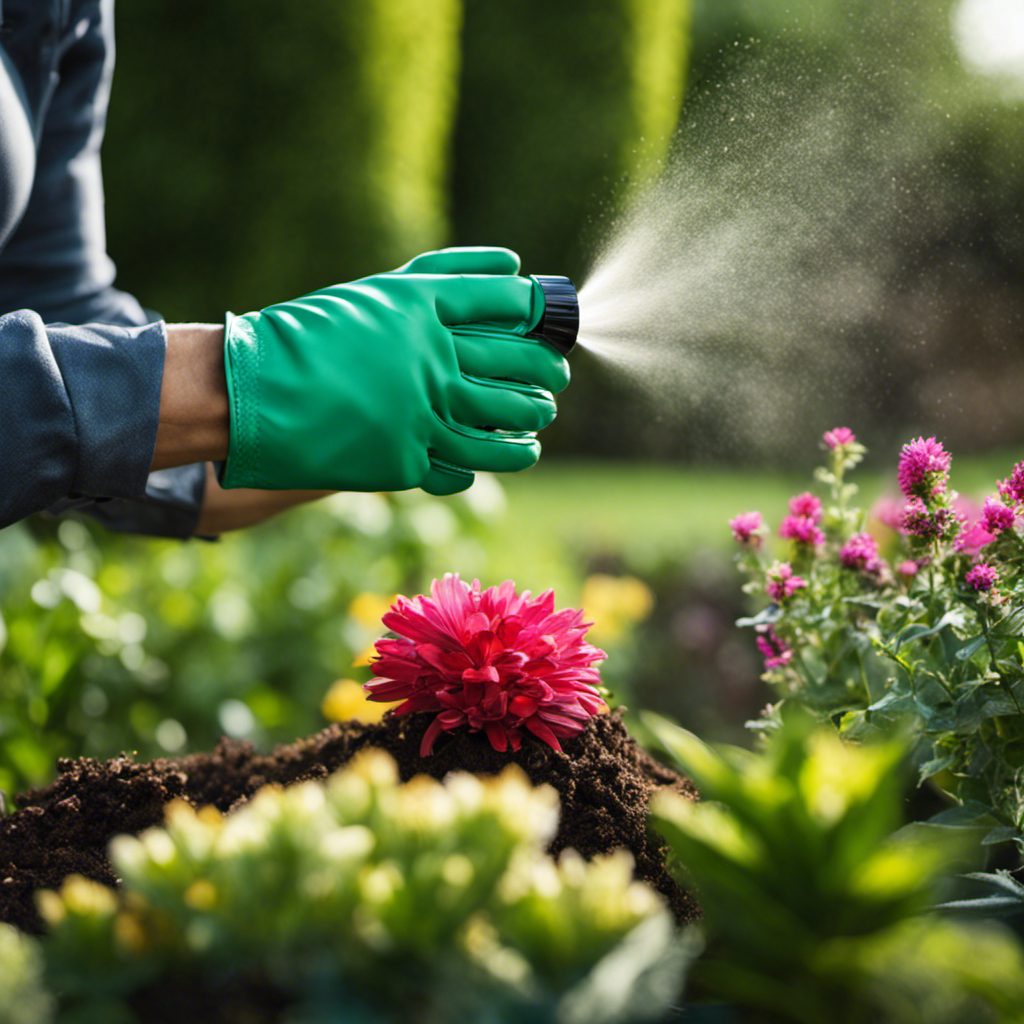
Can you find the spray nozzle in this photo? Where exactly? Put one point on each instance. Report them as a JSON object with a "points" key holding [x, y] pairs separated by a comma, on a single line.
{"points": [[560, 322]]}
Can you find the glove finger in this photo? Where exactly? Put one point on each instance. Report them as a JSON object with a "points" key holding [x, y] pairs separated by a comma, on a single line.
{"points": [[464, 260], [443, 479], [485, 403], [506, 300], [511, 357], [468, 448]]}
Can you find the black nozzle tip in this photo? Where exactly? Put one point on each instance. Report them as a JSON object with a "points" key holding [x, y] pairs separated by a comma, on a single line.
{"points": [[560, 322]]}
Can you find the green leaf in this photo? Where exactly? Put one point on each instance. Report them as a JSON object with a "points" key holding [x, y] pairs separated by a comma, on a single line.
{"points": [[933, 767], [970, 812], [865, 602], [763, 618], [971, 646], [893, 701], [1005, 896], [1003, 834], [639, 979], [921, 630]]}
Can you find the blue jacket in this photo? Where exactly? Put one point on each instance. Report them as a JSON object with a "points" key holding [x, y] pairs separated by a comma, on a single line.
{"points": [[78, 404]]}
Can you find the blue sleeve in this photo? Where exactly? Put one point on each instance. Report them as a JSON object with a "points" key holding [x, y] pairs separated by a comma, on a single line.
{"points": [[78, 415], [78, 405]]}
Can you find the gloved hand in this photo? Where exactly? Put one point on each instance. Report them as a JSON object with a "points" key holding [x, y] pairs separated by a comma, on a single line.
{"points": [[412, 378]]}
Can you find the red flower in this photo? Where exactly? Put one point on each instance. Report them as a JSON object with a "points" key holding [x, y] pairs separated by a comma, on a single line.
{"points": [[490, 660]]}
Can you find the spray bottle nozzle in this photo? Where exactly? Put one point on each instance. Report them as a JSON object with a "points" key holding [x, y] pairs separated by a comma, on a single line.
{"points": [[560, 322]]}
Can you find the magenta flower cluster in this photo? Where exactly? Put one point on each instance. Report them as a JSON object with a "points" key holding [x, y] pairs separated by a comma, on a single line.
{"points": [[942, 523], [841, 437], [801, 525], [782, 582], [860, 553], [1012, 488], [981, 577], [908, 568], [996, 517], [748, 528], [776, 653], [924, 465]]}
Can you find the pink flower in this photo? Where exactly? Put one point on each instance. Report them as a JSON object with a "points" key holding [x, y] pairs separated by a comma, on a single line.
{"points": [[888, 511], [840, 437], [930, 524], [782, 583], [908, 569], [971, 541], [807, 505], [776, 653], [996, 517], [489, 660], [748, 529], [924, 464], [1012, 488], [801, 529], [981, 577], [860, 552]]}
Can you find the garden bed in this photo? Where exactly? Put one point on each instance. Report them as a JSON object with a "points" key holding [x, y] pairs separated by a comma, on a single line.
{"points": [[604, 781]]}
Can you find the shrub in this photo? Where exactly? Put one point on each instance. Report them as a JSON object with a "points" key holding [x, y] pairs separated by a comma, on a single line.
{"points": [[920, 620]]}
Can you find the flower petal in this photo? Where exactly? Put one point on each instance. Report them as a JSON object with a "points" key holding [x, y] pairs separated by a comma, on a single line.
{"points": [[497, 735], [542, 732]]}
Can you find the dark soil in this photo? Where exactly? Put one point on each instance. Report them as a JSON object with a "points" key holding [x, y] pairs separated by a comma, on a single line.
{"points": [[604, 780]]}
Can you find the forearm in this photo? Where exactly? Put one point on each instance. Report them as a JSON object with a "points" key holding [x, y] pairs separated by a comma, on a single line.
{"points": [[193, 424], [235, 509], [194, 427]]}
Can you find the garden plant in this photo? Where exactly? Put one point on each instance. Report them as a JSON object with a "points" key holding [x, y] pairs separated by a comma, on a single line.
{"points": [[910, 616], [816, 907]]}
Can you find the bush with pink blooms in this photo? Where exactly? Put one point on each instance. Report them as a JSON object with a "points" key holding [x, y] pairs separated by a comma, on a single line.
{"points": [[907, 616]]}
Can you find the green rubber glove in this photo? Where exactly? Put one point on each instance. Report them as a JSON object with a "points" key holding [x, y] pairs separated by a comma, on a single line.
{"points": [[412, 378]]}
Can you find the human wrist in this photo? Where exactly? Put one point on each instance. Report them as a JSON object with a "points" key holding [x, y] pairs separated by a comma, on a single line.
{"points": [[193, 421]]}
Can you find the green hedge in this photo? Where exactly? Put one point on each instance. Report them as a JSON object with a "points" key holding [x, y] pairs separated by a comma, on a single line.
{"points": [[258, 150]]}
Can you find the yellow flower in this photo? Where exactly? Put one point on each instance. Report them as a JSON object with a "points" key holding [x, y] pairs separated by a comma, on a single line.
{"points": [[366, 655], [368, 608], [345, 701], [614, 603]]}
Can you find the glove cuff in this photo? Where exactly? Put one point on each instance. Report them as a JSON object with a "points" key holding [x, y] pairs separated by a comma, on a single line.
{"points": [[241, 368]]}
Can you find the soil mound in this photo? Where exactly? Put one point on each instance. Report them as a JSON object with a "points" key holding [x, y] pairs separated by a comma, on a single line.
{"points": [[604, 780]]}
